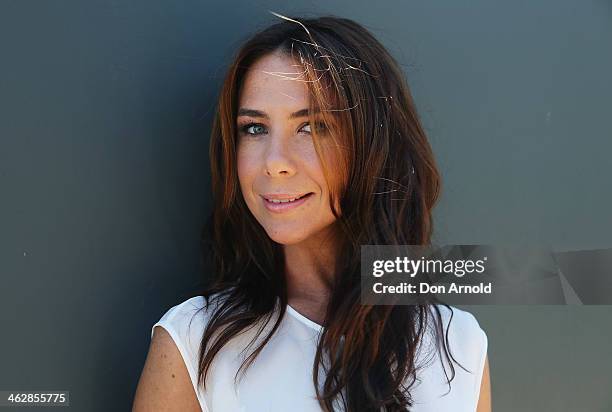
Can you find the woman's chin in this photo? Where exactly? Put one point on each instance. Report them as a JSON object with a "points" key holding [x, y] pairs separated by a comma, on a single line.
{"points": [[286, 237]]}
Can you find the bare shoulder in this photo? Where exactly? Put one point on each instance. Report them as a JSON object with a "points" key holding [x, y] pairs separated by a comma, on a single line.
{"points": [[484, 398], [164, 384]]}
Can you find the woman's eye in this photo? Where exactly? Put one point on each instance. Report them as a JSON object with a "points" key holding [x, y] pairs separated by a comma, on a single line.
{"points": [[255, 129], [256, 126], [320, 127]]}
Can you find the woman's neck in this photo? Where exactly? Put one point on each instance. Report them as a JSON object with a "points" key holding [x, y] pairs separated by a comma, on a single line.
{"points": [[309, 272]]}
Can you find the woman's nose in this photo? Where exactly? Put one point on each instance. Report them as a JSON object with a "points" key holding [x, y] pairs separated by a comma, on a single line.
{"points": [[277, 157]]}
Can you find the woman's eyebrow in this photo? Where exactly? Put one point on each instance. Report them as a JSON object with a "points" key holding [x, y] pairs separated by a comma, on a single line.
{"points": [[258, 113]]}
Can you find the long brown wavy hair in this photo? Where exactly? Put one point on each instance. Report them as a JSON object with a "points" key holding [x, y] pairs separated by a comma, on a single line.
{"points": [[389, 185]]}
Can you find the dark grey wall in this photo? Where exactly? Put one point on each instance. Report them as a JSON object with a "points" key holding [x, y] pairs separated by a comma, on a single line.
{"points": [[105, 111]]}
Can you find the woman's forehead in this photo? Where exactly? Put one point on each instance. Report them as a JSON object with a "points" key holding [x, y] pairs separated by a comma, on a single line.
{"points": [[276, 82], [260, 87], [278, 63]]}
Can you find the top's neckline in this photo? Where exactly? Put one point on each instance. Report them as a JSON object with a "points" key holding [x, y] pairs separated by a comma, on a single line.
{"points": [[304, 319]]}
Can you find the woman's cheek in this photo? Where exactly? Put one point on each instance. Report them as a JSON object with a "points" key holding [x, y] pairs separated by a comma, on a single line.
{"points": [[244, 170], [245, 157]]}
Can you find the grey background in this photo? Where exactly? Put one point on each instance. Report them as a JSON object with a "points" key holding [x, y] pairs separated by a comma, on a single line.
{"points": [[104, 176]]}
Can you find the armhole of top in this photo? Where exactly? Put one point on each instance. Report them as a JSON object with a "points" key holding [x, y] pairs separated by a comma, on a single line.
{"points": [[166, 323], [476, 340], [481, 362]]}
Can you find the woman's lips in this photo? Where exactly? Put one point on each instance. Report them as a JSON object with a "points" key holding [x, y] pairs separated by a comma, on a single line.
{"points": [[285, 206]]}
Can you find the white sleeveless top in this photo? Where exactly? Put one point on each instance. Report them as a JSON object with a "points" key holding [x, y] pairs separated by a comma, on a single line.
{"points": [[280, 378]]}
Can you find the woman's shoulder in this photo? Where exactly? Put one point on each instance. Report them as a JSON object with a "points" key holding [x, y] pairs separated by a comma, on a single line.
{"points": [[462, 331], [467, 343], [190, 313], [186, 321], [461, 324]]}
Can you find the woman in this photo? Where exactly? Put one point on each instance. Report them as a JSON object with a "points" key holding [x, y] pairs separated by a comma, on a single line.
{"points": [[316, 149]]}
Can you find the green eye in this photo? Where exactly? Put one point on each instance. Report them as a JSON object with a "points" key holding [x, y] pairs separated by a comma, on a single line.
{"points": [[321, 127], [245, 129], [256, 129]]}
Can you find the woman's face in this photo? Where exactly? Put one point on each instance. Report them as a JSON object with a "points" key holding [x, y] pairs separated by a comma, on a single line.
{"points": [[276, 154]]}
